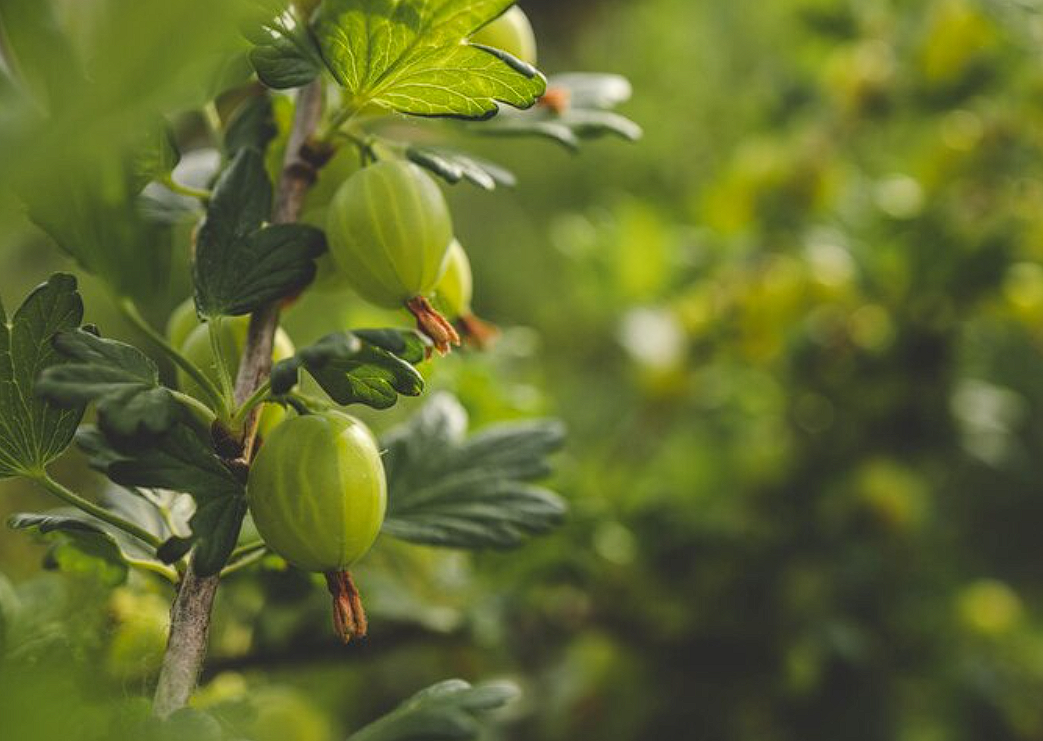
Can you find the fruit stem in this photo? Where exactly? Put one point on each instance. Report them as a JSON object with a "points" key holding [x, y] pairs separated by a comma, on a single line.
{"points": [[214, 330], [433, 324], [130, 310], [349, 619], [247, 406]]}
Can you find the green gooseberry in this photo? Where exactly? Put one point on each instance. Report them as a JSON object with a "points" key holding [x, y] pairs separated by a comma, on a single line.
{"points": [[389, 230], [456, 288], [317, 491], [511, 32], [232, 335]]}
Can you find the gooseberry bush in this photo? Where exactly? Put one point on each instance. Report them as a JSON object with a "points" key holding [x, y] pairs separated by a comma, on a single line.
{"points": [[255, 434]]}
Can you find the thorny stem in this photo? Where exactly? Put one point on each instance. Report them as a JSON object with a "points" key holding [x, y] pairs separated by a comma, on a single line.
{"points": [[190, 615], [70, 497]]}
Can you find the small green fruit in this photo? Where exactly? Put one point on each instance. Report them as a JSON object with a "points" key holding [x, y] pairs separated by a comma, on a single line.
{"points": [[389, 230], [197, 348], [317, 491], [512, 32], [181, 322], [456, 288]]}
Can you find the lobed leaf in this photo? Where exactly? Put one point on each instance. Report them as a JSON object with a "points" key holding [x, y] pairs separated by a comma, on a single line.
{"points": [[446, 489], [452, 709], [120, 379], [183, 460], [413, 56], [454, 167], [370, 367], [34, 431], [240, 266]]}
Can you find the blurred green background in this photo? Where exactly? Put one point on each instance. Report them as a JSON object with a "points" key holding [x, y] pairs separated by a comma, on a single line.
{"points": [[796, 334]]}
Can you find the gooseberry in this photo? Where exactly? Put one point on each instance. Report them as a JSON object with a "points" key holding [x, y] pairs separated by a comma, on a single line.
{"points": [[232, 335], [454, 293], [389, 230], [317, 492], [181, 322], [511, 32]]}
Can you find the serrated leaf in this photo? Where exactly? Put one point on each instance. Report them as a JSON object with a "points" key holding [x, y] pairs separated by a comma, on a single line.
{"points": [[448, 710], [240, 266], [182, 460], [85, 539], [281, 64], [285, 54], [456, 166], [120, 379], [413, 56], [582, 112], [446, 489], [33, 431], [407, 344], [252, 125], [357, 368]]}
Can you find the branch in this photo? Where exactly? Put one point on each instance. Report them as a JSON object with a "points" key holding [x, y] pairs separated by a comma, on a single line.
{"points": [[190, 616]]}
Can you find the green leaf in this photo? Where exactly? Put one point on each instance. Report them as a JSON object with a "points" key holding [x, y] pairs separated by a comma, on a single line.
{"points": [[91, 212], [358, 368], [281, 64], [120, 379], [239, 266], [84, 543], [183, 460], [407, 344], [285, 54], [252, 125], [33, 431], [583, 113], [446, 489], [413, 56], [448, 710], [456, 166]]}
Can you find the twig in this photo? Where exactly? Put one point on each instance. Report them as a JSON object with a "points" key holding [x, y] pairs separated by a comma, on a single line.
{"points": [[190, 616]]}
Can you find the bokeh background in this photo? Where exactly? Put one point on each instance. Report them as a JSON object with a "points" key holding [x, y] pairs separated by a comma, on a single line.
{"points": [[796, 335]]}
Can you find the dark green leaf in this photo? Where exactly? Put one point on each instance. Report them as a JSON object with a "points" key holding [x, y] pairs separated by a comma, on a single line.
{"points": [[456, 166], [407, 344], [450, 490], [358, 368], [448, 710], [252, 125], [413, 56], [183, 460], [121, 380], [239, 266], [281, 63], [33, 432]]}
